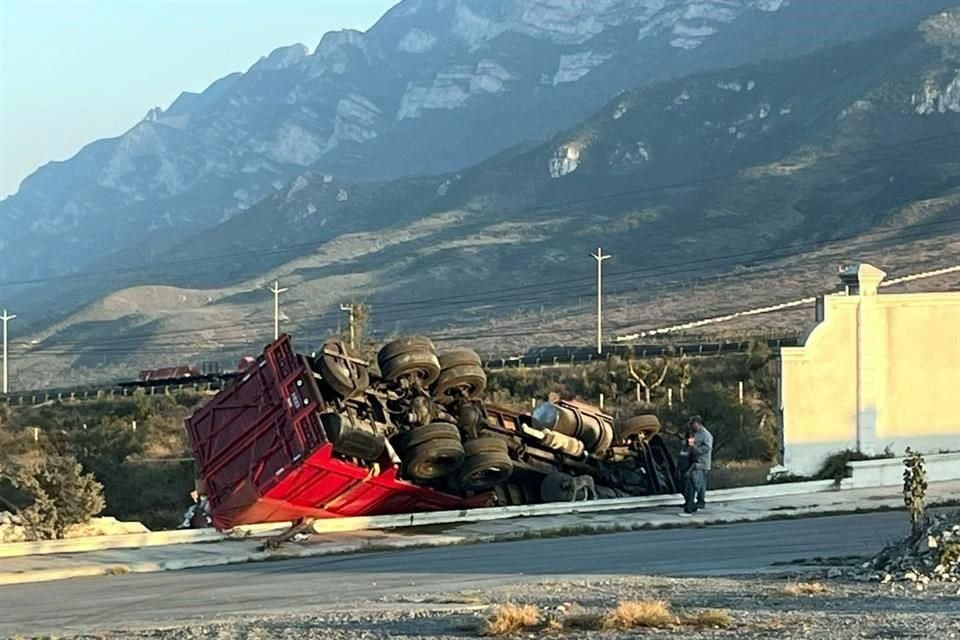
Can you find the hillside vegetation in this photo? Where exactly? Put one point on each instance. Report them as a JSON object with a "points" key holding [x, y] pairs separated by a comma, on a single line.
{"points": [[147, 473]]}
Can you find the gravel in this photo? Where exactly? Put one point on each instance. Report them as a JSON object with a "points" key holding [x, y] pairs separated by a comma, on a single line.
{"points": [[934, 555], [758, 605]]}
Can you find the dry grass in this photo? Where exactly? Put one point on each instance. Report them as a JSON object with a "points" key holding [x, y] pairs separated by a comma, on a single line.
{"points": [[116, 570], [583, 621], [643, 613], [709, 619], [508, 619], [511, 618], [804, 589]]}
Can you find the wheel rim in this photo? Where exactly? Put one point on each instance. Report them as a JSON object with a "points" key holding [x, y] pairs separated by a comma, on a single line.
{"points": [[437, 467]]}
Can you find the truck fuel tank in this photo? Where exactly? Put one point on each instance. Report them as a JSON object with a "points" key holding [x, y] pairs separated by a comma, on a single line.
{"points": [[578, 420]]}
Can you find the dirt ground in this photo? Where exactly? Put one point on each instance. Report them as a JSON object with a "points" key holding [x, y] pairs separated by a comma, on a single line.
{"points": [[758, 607]]}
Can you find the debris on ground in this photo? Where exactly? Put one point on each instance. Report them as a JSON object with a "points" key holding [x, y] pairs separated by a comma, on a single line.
{"points": [[11, 528], [934, 555], [14, 529], [742, 607]]}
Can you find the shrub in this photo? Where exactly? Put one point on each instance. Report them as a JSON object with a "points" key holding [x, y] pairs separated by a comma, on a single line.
{"points": [[835, 467], [511, 618], [804, 589], [632, 614], [711, 618], [58, 494]]}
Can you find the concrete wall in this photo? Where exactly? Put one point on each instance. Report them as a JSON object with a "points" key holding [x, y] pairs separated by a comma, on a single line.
{"points": [[941, 467], [876, 371]]}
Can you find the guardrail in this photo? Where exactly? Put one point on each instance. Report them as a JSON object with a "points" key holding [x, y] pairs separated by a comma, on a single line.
{"points": [[569, 357], [43, 396], [548, 357]]}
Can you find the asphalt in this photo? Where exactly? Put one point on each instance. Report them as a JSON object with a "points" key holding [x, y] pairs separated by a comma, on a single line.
{"points": [[162, 599]]}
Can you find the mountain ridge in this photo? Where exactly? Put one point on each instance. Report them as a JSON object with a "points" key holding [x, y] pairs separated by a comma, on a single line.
{"points": [[409, 96]]}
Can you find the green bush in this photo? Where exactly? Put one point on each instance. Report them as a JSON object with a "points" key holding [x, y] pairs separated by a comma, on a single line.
{"points": [[57, 493], [835, 467], [154, 492]]}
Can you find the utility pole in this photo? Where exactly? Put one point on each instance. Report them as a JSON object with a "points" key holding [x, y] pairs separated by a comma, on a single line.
{"points": [[351, 323], [599, 257], [6, 317], [276, 307]]}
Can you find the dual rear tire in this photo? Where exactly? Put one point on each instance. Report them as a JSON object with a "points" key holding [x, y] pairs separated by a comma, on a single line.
{"points": [[414, 358]]}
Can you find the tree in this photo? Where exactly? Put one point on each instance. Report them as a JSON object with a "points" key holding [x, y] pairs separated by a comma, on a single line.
{"points": [[357, 332], [57, 494], [646, 370], [686, 377]]}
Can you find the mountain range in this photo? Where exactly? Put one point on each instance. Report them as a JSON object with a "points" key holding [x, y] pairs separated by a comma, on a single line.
{"points": [[456, 164]]}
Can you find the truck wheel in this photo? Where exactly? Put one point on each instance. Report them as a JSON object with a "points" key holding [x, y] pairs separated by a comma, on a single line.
{"points": [[645, 425], [338, 369], [457, 357], [469, 378], [433, 459], [487, 464], [404, 345], [421, 364], [432, 431]]}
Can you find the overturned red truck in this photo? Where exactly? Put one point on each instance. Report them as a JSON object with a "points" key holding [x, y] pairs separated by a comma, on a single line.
{"points": [[321, 436]]}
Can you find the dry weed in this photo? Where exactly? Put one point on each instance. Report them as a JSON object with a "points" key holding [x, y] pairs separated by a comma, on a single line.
{"points": [[643, 613], [804, 589], [511, 618], [583, 621], [711, 618]]}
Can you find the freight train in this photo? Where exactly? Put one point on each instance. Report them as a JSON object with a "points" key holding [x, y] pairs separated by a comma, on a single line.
{"points": [[295, 436]]}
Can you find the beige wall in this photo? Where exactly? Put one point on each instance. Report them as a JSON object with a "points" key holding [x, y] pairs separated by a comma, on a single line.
{"points": [[878, 370]]}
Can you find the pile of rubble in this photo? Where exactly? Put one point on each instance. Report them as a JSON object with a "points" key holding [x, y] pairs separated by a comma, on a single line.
{"points": [[932, 556], [11, 528]]}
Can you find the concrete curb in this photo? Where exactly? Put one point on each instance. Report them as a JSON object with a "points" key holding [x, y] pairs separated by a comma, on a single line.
{"points": [[341, 525], [133, 540], [566, 508], [287, 553]]}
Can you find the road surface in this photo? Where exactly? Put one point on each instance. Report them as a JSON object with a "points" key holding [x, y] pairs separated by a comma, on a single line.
{"points": [[87, 604]]}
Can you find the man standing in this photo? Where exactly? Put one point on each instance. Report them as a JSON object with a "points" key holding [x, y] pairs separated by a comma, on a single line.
{"points": [[687, 473], [704, 445]]}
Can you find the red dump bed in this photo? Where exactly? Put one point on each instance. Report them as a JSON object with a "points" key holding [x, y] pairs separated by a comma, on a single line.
{"points": [[263, 455]]}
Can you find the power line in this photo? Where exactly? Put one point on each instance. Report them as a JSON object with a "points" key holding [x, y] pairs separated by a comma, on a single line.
{"points": [[573, 286], [688, 323], [695, 265]]}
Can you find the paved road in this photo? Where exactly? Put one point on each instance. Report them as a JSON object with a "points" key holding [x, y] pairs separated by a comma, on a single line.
{"points": [[140, 599]]}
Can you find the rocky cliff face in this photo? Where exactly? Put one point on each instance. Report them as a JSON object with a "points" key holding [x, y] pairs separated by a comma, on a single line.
{"points": [[434, 86]]}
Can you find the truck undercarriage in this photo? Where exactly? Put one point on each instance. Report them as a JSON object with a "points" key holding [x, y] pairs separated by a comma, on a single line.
{"points": [[330, 435]]}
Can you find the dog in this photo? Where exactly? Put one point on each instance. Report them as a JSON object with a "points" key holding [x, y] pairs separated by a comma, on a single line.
{"points": [[581, 485]]}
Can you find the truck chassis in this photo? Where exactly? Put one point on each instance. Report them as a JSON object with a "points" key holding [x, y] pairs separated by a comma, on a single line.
{"points": [[329, 435]]}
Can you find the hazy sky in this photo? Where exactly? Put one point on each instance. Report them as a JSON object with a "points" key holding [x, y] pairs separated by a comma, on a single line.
{"points": [[73, 71]]}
